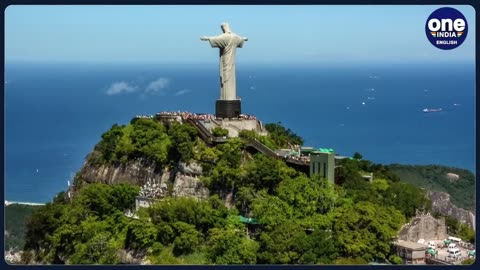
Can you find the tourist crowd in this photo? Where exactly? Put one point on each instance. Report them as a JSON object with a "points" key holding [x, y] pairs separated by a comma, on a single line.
{"points": [[305, 159], [201, 116], [144, 116], [188, 115], [247, 117]]}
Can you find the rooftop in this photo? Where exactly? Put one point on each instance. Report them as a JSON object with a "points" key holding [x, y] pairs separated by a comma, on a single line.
{"points": [[410, 245]]}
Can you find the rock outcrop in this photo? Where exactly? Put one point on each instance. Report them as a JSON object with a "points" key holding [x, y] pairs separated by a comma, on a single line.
{"points": [[192, 169], [129, 257], [423, 226], [453, 176], [182, 181], [441, 203], [13, 257]]}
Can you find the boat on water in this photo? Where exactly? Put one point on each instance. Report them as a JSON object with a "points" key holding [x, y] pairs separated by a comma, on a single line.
{"points": [[432, 110]]}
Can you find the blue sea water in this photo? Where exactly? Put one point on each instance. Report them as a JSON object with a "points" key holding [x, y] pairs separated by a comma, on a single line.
{"points": [[56, 113]]}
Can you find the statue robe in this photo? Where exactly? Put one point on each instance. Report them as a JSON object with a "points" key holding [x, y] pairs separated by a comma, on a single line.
{"points": [[228, 44]]}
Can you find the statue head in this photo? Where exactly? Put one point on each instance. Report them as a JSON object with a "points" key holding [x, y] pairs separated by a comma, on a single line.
{"points": [[226, 28]]}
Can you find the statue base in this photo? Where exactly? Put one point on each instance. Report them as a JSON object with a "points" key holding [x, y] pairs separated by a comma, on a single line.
{"points": [[228, 108]]}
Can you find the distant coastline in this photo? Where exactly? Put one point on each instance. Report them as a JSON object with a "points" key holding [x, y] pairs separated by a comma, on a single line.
{"points": [[7, 203]]}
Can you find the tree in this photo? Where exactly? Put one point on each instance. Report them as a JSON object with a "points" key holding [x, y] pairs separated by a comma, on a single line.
{"points": [[125, 148], [16, 216], [282, 136], [187, 238], [150, 140], [97, 250], [291, 243], [63, 243], [407, 198], [229, 246], [123, 196], [301, 193], [466, 233], [244, 198], [347, 170], [90, 242], [434, 177], [224, 177], [203, 215], [165, 235], [231, 152], [41, 226], [219, 132], [394, 259], [95, 200], [468, 261], [109, 142], [271, 211], [317, 248], [355, 261], [462, 230], [183, 137], [140, 235], [365, 230], [265, 172], [357, 155]]}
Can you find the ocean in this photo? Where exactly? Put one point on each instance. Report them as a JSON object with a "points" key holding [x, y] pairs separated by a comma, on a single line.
{"points": [[56, 113]]}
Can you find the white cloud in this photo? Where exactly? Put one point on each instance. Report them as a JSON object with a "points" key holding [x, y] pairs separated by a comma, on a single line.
{"points": [[158, 85], [121, 87], [182, 92]]}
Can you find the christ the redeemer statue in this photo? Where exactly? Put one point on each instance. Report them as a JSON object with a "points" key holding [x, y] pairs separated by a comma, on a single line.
{"points": [[228, 43]]}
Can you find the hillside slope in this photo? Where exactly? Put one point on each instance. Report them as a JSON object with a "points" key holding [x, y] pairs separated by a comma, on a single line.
{"points": [[15, 224], [255, 209], [441, 178]]}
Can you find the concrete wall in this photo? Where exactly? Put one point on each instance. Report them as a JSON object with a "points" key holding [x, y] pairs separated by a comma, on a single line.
{"points": [[418, 254], [234, 126], [324, 165], [411, 256], [209, 124]]}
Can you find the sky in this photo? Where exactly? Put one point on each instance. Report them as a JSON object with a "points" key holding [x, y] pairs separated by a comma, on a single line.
{"points": [[277, 34]]}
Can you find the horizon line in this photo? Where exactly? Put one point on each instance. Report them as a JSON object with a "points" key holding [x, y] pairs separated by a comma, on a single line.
{"points": [[244, 63]]}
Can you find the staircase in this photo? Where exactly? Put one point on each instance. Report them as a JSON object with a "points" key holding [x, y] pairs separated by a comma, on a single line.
{"points": [[204, 133]]}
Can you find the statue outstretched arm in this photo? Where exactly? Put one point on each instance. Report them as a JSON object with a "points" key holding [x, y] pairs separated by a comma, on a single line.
{"points": [[205, 38], [245, 38]]}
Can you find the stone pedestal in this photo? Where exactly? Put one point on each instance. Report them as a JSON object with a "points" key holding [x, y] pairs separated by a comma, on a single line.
{"points": [[228, 108]]}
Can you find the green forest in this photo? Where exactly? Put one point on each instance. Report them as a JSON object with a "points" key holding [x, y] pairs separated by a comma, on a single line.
{"points": [[298, 219], [15, 218], [434, 177]]}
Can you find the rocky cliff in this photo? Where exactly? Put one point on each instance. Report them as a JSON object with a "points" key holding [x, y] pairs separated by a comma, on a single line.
{"points": [[180, 180], [441, 203], [423, 226]]}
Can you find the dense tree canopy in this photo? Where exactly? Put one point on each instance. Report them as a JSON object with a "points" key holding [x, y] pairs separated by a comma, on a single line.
{"points": [[219, 132], [282, 136], [275, 214], [434, 177], [366, 229]]}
